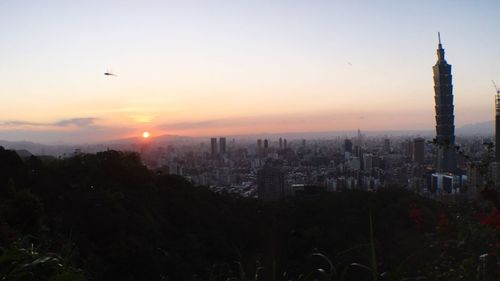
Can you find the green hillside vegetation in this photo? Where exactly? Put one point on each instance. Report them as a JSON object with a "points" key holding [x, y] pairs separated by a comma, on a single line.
{"points": [[105, 216]]}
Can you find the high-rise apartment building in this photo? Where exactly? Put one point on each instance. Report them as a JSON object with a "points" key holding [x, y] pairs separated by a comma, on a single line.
{"points": [[213, 147], [260, 149], [348, 145], [222, 145], [271, 182], [418, 150], [387, 146]]}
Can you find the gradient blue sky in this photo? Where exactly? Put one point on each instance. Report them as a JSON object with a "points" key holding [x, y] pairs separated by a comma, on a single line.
{"points": [[205, 68]]}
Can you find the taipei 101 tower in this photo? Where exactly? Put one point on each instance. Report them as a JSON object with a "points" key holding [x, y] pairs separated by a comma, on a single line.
{"points": [[445, 128]]}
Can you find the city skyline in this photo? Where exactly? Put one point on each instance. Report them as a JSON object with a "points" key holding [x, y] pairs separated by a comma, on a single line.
{"points": [[197, 69]]}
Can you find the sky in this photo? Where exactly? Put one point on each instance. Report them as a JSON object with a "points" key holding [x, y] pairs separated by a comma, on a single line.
{"points": [[214, 68]]}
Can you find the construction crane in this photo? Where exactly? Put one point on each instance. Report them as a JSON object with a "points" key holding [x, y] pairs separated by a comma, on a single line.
{"points": [[497, 122]]}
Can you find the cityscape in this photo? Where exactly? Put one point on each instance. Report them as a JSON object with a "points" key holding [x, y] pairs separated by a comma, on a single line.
{"points": [[439, 167], [275, 168]]}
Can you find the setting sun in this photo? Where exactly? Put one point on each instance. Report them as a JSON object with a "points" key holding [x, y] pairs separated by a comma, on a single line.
{"points": [[145, 135]]}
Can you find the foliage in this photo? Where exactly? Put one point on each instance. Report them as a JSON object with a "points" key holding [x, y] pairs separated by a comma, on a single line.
{"points": [[110, 215], [24, 263]]}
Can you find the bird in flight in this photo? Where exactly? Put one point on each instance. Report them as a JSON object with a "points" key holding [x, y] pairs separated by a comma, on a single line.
{"points": [[109, 73]]}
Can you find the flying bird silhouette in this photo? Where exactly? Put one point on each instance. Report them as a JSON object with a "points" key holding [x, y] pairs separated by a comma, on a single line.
{"points": [[109, 73]]}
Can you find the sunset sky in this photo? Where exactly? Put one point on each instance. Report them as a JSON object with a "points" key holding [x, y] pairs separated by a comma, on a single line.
{"points": [[203, 68]]}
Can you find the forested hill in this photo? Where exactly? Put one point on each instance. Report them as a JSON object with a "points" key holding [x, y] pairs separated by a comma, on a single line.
{"points": [[105, 216]]}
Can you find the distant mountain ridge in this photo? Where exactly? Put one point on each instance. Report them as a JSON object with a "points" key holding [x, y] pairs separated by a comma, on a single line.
{"points": [[156, 139], [485, 128]]}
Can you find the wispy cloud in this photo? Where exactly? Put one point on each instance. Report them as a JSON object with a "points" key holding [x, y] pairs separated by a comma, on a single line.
{"points": [[76, 122], [302, 121], [70, 130], [19, 124], [193, 125], [249, 121]]}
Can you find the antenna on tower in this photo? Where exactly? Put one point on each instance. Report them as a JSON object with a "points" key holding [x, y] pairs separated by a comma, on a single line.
{"points": [[439, 37], [497, 111]]}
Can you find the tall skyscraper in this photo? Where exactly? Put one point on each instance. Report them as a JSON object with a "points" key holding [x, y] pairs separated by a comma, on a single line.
{"points": [[213, 146], [445, 128], [222, 145]]}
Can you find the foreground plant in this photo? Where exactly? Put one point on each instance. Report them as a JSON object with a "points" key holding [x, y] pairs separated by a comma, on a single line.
{"points": [[23, 262]]}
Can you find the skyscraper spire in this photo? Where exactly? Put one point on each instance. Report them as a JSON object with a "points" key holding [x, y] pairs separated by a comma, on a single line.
{"points": [[440, 50]]}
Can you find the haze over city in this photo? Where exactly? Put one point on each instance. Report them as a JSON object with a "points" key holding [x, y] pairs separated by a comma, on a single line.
{"points": [[203, 68]]}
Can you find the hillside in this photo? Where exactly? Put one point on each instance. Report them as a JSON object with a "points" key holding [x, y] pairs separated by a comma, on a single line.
{"points": [[105, 216]]}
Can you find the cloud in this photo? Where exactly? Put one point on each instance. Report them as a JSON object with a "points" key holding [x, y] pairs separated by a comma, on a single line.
{"points": [[77, 122], [79, 135], [250, 121], [315, 121], [192, 125], [19, 124], [239, 122]]}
